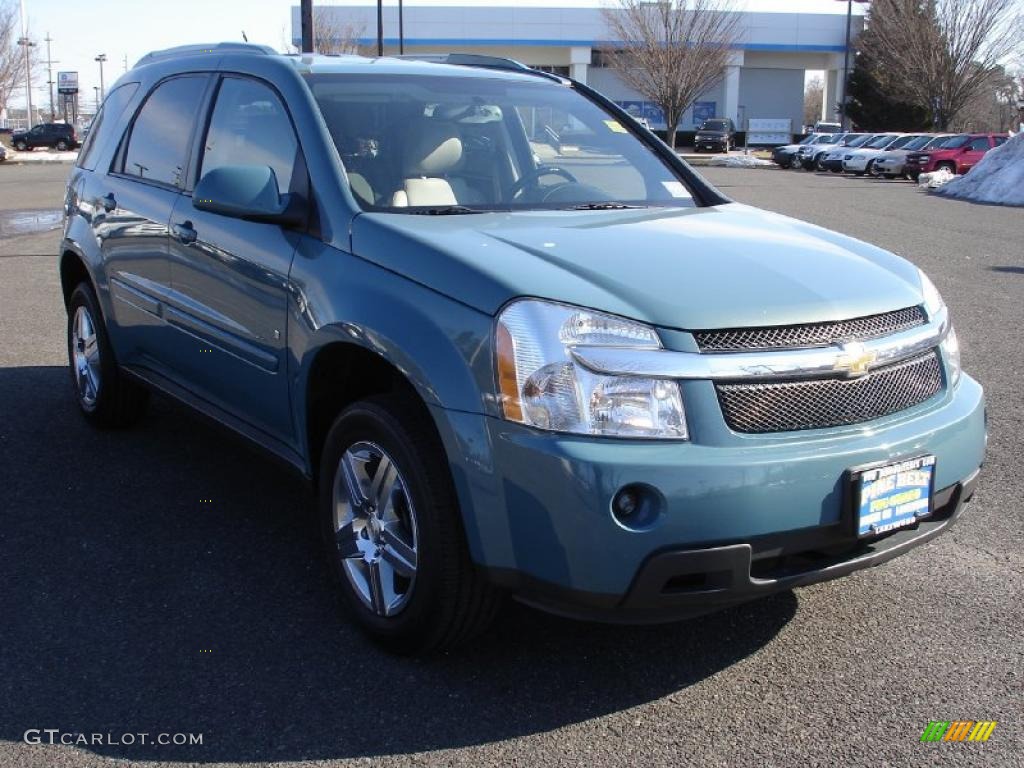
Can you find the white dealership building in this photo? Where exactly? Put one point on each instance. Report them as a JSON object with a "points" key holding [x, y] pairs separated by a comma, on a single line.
{"points": [[764, 79]]}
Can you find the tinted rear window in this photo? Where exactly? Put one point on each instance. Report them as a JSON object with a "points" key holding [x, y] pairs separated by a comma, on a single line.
{"points": [[108, 119], [160, 138]]}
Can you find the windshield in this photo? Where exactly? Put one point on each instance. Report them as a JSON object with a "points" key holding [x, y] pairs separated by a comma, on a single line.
{"points": [[918, 141], [902, 141], [879, 141], [955, 142], [935, 142], [859, 140], [714, 125], [447, 144], [831, 138], [810, 139]]}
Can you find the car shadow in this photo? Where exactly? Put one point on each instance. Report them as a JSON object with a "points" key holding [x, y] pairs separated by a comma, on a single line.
{"points": [[1009, 270], [167, 579]]}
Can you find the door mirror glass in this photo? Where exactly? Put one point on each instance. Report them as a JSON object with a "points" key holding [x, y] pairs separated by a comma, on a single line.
{"points": [[246, 192]]}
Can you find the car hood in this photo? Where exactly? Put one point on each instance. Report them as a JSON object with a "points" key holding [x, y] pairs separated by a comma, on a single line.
{"points": [[690, 268]]}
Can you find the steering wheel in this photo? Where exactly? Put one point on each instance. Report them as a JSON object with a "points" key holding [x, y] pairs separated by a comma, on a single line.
{"points": [[536, 174]]}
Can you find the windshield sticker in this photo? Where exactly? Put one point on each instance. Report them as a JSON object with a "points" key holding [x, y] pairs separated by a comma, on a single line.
{"points": [[615, 125], [675, 188]]}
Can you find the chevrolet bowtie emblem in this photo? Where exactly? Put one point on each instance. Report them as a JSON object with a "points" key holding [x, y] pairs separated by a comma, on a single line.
{"points": [[854, 359]]}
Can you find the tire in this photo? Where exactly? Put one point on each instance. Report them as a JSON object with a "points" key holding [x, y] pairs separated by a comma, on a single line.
{"points": [[951, 167], [105, 396], [62, 146], [400, 559], [21, 146]]}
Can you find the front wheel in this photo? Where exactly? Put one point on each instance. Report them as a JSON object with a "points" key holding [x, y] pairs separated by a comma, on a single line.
{"points": [[105, 396], [21, 146], [951, 167], [62, 146], [393, 532]]}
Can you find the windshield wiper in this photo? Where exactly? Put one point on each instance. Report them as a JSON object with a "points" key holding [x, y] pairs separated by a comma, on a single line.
{"points": [[608, 206], [444, 210]]}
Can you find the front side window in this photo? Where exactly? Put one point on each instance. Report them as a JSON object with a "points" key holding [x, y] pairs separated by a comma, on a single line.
{"points": [[250, 127], [486, 143], [980, 144], [160, 137]]}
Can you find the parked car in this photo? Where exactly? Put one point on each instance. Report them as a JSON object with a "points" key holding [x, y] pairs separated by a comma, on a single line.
{"points": [[832, 160], [784, 155], [890, 162], [958, 154], [824, 127], [592, 382], [716, 135], [855, 160], [807, 157], [59, 136], [3, 153]]}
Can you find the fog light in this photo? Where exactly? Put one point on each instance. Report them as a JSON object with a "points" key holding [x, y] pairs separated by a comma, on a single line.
{"points": [[626, 503], [637, 507]]}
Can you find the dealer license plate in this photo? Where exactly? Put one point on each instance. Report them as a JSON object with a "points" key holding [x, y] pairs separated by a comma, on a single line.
{"points": [[893, 496]]}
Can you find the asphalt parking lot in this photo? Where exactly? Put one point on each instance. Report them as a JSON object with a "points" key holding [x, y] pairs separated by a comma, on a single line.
{"points": [[127, 605]]}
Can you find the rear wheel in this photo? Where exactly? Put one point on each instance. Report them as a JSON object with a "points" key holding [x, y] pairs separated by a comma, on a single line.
{"points": [[62, 146], [951, 167], [393, 533], [21, 146], [105, 396]]}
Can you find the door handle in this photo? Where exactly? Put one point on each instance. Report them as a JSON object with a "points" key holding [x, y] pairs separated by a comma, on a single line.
{"points": [[184, 232], [108, 202]]}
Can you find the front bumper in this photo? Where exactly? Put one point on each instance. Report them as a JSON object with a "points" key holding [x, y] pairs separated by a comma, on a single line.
{"points": [[832, 164], [855, 164], [683, 583], [716, 144], [537, 506]]}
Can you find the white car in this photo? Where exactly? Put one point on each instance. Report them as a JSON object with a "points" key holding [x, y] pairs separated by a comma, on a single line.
{"points": [[833, 159], [890, 162], [860, 161]]}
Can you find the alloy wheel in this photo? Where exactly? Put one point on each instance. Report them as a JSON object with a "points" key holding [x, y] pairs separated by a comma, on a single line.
{"points": [[85, 354], [375, 528]]}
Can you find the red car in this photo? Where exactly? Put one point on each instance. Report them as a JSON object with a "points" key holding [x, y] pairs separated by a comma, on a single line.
{"points": [[958, 153]]}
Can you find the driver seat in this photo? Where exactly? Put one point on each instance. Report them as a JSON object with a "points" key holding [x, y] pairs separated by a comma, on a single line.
{"points": [[433, 148]]}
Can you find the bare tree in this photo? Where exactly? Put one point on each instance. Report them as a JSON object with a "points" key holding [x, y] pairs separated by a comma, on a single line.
{"points": [[814, 93], [332, 34], [671, 51], [12, 57], [942, 53]]}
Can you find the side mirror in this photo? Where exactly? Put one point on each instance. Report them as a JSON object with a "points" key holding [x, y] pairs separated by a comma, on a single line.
{"points": [[246, 192]]}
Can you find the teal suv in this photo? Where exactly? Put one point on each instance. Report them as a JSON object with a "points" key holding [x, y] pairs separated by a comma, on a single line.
{"points": [[517, 345]]}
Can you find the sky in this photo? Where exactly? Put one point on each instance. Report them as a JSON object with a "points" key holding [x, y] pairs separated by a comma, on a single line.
{"points": [[81, 29]]}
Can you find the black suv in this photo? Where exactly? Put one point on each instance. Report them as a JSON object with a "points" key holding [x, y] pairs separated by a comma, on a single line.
{"points": [[59, 136], [716, 135]]}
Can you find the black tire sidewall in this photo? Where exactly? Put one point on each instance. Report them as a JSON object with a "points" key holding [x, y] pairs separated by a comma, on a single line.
{"points": [[83, 295], [368, 421]]}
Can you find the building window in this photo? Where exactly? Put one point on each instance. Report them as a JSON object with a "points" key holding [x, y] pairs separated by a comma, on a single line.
{"points": [[553, 69]]}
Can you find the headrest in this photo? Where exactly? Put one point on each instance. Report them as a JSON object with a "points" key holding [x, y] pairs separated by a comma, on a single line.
{"points": [[433, 148]]}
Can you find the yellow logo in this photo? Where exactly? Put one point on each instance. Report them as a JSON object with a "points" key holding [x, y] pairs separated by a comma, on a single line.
{"points": [[854, 359]]}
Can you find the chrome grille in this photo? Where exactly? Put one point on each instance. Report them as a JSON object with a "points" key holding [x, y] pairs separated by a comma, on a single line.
{"points": [[813, 335], [785, 406]]}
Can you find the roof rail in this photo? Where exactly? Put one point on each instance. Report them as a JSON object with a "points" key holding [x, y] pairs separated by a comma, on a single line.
{"points": [[198, 50], [483, 62]]}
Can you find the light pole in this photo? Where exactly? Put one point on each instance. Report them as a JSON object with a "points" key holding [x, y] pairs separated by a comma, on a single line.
{"points": [[96, 91], [401, 29], [25, 43], [101, 58], [843, 119]]}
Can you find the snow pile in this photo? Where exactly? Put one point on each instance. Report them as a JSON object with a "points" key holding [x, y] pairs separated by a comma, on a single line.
{"points": [[936, 179], [41, 157], [998, 178], [740, 161]]}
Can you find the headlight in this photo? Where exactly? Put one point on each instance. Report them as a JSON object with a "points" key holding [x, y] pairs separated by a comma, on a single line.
{"points": [[933, 303], [541, 385]]}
